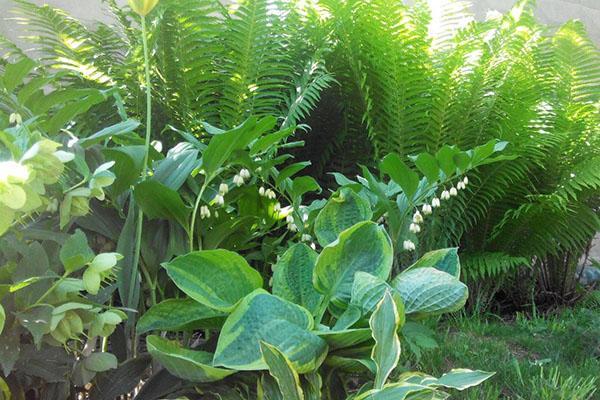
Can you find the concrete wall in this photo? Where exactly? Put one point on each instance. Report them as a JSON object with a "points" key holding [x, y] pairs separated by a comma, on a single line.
{"points": [[553, 12]]}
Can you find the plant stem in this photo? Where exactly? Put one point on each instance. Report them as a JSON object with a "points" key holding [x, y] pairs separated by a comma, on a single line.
{"points": [[49, 291], [140, 216], [194, 213]]}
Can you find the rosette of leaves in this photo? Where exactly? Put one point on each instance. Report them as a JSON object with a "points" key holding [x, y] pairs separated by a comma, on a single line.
{"points": [[334, 312]]}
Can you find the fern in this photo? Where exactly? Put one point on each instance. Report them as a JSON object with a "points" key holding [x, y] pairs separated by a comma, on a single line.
{"points": [[476, 266]]}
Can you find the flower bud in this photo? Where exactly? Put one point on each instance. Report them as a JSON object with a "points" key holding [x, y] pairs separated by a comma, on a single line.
{"points": [[460, 185], [415, 228], [223, 189], [219, 200], [105, 261], [15, 118], [204, 212], [408, 245], [238, 180], [453, 191], [306, 237], [445, 195], [244, 173], [142, 7], [270, 194], [277, 207], [427, 209], [466, 181], [435, 202], [289, 219], [292, 228], [261, 191], [417, 217]]}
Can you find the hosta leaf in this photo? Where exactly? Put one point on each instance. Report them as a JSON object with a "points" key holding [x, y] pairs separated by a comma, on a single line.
{"points": [[363, 247], [445, 260], [430, 291], [179, 314], [313, 386], [395, 391], [460, 379], [428, 165], [384, 323], [2, 318], [283, 371], [262, 316], [345, 338], [343, 210], [216, 278], [351, 364], [368, 290], [191, 365], [292, 279]]}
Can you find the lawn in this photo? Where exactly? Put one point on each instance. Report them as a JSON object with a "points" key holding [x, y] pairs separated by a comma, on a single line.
{"points": [[535, 357]]}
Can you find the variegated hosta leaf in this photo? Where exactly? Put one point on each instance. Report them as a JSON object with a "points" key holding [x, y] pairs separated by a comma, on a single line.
{"points": [[191, 365], [364, 247], [459, 379], [445, 260], [345, 338], [368, 290], [429, 291], [283, 371], [384, 323], [312, 383], [396, 391], [262, 316], [267, 388], [292, 278], [179, 314], [216, 278], [343, 210]]}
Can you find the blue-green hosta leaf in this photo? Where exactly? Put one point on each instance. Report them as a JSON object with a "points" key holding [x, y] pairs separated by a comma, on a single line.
{"points": [[179, 314], [364, 247], [191, 365], [430, 291], [351, 364], [216, 278], [368, 290], [384, 323], [343, 210], [292, 279], [345, 338], [262, 316], [283, 371], [445, 260]]}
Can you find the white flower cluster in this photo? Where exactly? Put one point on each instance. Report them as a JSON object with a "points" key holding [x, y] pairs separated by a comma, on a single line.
{"points": [[268, 193], [240, 179], [427, 209]]}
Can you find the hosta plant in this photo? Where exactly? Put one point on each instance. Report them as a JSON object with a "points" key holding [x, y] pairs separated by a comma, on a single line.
{"points": [[328, 315]]}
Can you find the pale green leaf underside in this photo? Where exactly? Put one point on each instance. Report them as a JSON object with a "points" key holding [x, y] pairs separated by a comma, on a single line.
{"points": [[191, 365], [345, 338], [262, 316], [445, 260]]}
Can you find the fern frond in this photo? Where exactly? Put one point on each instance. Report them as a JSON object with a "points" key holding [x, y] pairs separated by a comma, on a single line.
{"points": [[476, 266]]}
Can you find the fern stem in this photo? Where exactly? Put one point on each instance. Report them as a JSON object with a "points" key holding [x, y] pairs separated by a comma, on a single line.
{"points": [[140, 216]]}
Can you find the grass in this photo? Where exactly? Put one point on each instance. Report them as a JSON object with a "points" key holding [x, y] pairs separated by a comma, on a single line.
{"points": [[547, 358]]}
